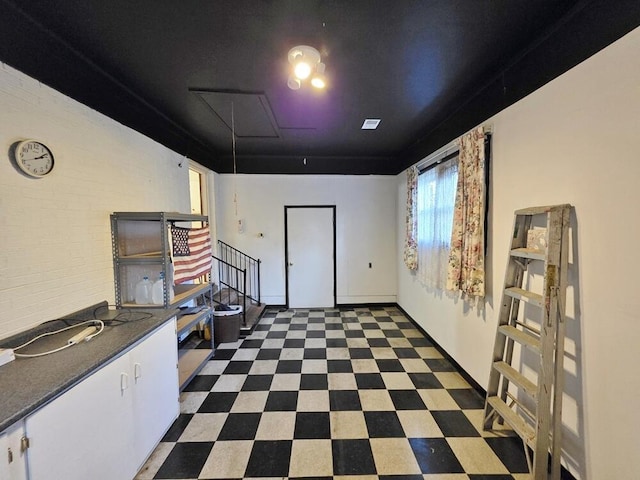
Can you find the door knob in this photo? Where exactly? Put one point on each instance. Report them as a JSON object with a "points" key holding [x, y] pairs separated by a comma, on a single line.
{"points": [[291, 264]]}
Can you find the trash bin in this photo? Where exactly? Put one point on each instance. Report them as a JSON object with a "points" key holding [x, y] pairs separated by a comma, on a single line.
{"points": [[226, 324]]}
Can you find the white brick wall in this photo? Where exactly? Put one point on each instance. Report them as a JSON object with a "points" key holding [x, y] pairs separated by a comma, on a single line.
{"points": [[55, 238]]}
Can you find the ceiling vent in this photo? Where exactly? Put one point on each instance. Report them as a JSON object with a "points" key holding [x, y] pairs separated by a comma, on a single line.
{"points": [[370, 123]]}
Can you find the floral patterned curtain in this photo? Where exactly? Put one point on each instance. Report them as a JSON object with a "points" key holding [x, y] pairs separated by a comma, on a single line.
{"points": [[465, 272], [411, 238]]}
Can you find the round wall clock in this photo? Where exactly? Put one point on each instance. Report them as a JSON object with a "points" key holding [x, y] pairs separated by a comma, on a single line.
{"points": [[33, 158]]}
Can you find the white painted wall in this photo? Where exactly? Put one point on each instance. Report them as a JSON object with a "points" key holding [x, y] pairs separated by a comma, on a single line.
{"points": [[55, 237], [575, 140], [365, 228]]}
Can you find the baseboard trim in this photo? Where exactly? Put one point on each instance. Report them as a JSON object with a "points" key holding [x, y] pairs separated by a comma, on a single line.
{"points": [[278, 306], [366, 305], [340, 305]]}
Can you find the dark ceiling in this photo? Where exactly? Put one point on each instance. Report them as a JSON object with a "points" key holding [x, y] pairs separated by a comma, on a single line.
{"points": [[430, 70]]}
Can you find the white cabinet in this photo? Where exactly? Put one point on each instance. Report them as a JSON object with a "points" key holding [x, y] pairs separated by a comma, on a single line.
{"points": [[86, 432], [107, 425], [13, 459], [155, 388]]}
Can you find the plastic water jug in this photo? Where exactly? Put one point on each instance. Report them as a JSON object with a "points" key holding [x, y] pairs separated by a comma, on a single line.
{"points": [[143, 291], [157, 292]]}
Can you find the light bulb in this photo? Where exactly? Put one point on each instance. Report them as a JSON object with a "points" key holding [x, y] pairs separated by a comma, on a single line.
{"points": [[318, 81], [302, 70]]}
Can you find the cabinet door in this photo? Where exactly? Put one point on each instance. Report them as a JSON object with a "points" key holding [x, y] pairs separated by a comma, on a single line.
{"points": [[87, 432], [155, 389], [13, 456], [4, 456], [13, 461]]}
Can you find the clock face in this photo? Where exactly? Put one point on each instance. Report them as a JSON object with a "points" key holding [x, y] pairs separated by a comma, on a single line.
{"points": [[34, 158]]}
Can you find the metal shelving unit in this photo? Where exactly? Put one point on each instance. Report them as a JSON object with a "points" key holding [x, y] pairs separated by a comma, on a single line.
{"points": [[140, 247]]}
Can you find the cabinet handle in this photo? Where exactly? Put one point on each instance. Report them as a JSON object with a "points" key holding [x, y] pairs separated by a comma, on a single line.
{"points": [[10, 453], [137, 371], [124, 381]]}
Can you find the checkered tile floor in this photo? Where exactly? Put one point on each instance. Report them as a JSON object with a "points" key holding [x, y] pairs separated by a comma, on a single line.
{"points": [[349, 393]]}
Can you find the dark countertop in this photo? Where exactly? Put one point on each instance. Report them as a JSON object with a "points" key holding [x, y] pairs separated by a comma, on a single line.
{"points": [[27, 384]]}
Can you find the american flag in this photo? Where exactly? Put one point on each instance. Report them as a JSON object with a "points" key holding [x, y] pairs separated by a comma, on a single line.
{"points": [[191, 253]]}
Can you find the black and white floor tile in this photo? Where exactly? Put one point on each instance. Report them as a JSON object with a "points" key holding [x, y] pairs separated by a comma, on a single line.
{"points": [[352, 394]]}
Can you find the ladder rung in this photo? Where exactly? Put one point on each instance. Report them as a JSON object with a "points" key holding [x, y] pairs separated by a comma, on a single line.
{"points": [[521, 427], [521, 407], [528, 327], [541, 210], [519, 336], [530, 253], [525, 295], [516, 378]]}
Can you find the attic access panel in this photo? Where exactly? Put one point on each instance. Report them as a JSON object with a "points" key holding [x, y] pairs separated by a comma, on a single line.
{"points": [[248, 114]]}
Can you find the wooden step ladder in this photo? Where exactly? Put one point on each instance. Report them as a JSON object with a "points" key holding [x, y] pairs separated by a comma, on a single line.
{"points": [[532, 408]]}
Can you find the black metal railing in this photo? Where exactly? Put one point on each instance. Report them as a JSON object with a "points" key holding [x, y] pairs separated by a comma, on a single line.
{"points": [[238, 276], [232, 283], [245, 263]]}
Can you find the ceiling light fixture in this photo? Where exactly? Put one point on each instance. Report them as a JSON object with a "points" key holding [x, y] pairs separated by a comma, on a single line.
{"points": [[305, 62]]}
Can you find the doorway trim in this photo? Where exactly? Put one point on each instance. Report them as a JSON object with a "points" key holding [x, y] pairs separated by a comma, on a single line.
{"points": [[203, 183], [286, 249]]}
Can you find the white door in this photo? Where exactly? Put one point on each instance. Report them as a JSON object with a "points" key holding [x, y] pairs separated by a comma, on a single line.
{"points": [[310, 257]]}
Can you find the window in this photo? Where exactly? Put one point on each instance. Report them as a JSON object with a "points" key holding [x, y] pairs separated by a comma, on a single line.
{"points": [[436, 198]]}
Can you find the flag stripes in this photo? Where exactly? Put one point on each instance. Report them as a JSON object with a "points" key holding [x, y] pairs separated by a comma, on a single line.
{"points": [[191, 253]]}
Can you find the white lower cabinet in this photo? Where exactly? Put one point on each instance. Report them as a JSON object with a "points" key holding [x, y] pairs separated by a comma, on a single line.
{"points": [[156, 396], [87, 432], [105, 427], [13, 459]]}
